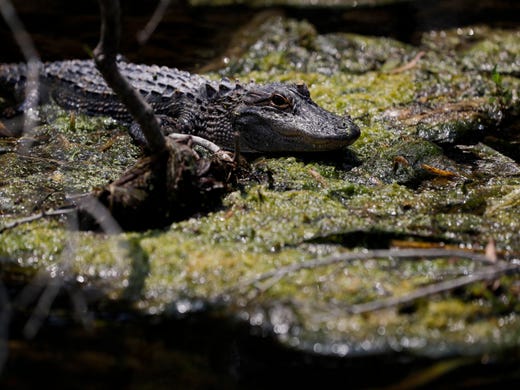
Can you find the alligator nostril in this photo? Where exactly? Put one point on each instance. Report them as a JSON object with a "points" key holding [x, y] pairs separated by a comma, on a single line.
{"points": [[355, 131]]}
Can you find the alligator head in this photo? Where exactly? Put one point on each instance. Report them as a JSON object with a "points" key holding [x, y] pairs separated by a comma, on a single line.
{"points": [[281, 117]]}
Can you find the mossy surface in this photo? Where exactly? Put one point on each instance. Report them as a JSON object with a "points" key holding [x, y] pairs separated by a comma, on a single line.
{"points": [[436, 165]]}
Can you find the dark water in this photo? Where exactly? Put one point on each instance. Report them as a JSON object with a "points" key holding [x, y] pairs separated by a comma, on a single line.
{"points": [[190, 38]]}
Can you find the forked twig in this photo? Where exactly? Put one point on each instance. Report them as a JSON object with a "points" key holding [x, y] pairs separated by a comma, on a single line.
{"points": [[35, 217], [491, 272], [488, 273], [282, 272], [105, 55], [44, 287]]}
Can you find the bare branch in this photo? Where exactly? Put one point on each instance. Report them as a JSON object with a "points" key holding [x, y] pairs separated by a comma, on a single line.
{"points": [[281, 272], [105, 57], [42, 309], [32, 58], [100, 213], [494, 271], [487, 273], [45, 286], [35, 217], [410, 64], [25, 43], [147, 31]]}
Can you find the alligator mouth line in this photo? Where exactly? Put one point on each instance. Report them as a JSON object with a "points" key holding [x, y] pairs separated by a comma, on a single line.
{"points": [[347, 138], [343, 139]]}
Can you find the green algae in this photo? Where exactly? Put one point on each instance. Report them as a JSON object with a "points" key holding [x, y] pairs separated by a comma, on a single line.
{"points": [[70, 156], [421, 173]]}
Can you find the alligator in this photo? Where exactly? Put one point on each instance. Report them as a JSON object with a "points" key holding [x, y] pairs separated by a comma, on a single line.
{"points": [[275, 117]]}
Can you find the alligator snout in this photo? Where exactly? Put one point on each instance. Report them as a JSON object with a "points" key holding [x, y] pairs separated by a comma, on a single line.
{"points": [[353, 129]]}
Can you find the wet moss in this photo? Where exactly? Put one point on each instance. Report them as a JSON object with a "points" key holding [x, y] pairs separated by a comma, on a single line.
{"points": [[37, 244], [420, 174], [69, 156]]}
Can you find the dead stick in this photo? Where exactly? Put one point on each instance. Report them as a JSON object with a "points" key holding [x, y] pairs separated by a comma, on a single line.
{"points": [[26, 45], [105, 55], [147, 31], [488, 273], [279, 273]]}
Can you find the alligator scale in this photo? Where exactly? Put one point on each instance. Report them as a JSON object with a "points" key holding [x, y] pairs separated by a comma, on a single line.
{"points": [[274, 117]]}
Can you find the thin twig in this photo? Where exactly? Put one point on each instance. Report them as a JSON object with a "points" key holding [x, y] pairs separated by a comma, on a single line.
{"points": [[408, 65], [43, 307], [487, 273], [147, 31], [25, 43], [105, 55], [35, 217], [45, 286], [495, 270], [100, 213], [86, 203], [279, 273]]}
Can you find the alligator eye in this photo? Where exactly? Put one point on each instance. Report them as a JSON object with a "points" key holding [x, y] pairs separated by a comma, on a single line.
{"points": [[280, 101]]}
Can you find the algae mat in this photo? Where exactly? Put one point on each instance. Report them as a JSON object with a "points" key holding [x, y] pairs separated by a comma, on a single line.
{"points": [[375, 251]]}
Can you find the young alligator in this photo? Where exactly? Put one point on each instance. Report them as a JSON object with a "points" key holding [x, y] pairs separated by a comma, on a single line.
{"points": [[274, 117]]}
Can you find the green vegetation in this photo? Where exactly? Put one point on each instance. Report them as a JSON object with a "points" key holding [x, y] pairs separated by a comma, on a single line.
{"points": [[424, 172]]}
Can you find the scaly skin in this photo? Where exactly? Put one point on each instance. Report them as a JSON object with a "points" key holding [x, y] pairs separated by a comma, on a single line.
{"points": [[273, 117]]}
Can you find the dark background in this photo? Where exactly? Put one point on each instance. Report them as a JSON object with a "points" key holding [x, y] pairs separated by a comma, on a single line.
{"points": [[191, 37]]}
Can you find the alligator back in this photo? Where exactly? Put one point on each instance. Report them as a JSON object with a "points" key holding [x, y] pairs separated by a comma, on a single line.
{"points": [[78, 85]]}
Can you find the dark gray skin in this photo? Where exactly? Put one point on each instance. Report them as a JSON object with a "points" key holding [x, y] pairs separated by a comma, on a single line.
{"points": [[273, 117]]}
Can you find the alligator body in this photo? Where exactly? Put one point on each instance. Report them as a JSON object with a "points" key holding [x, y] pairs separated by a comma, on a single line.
{"points": [[273, 117]]}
